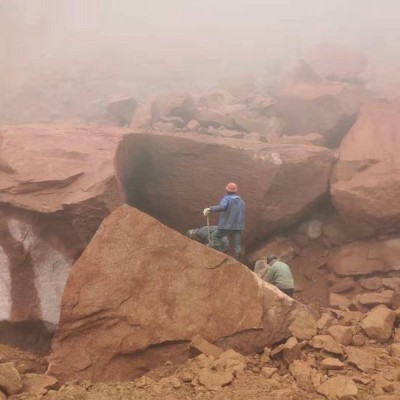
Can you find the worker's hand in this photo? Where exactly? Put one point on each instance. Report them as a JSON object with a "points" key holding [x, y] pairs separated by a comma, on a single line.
{"points": [[206, 211]]}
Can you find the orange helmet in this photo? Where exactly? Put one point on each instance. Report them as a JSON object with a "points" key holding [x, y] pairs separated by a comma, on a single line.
{"points": [[231, 187]]}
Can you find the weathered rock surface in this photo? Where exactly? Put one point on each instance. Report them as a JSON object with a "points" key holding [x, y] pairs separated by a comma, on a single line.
{"points": [[56, 168], [290, 179], [339, 300], [342, 334], [291, 351], [378, 324], [394, 350], [336, 62], [373, 299], [121, 109], [36, 383], [301, 371], [343, 285], [338, 387], [205, 347], [373, 283], [332, 363], [129, 305], [179, 105], [351, 318], [327, 343], [325, 322], [10, 379], [57, 183], [304, 327], [214, 380], [391, 283], [309, 104], [366, 257], [362, 359], [365, 182]]}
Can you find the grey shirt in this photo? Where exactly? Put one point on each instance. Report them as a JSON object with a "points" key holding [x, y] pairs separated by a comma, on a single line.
{"points": [[280, 275]]}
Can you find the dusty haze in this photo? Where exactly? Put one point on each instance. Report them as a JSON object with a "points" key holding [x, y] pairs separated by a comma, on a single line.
{"points": [[141, 48]]}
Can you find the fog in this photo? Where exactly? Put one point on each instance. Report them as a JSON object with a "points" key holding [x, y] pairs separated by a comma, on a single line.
{"points": [[141, 48]]}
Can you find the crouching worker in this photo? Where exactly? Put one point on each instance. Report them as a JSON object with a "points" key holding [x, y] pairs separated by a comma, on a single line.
{"points": [[201, 235], [280, 275]]}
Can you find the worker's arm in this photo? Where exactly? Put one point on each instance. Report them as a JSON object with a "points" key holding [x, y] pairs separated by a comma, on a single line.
{"points": [[222, 206], [270, 275]]}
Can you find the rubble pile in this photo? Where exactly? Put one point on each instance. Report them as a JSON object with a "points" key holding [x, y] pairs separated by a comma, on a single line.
{"points": [[334, 355]]}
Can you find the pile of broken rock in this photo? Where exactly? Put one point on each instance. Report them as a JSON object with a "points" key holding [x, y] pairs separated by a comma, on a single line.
{"points": [[339, 355]]}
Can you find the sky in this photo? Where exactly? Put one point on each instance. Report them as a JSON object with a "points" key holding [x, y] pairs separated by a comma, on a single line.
{"points": [[220, 35]]}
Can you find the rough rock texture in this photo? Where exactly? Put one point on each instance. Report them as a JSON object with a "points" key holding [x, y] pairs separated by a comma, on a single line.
{"points": [[57, 183], [338, 387], [378, 324], [10, 379], [348, 64], [304, 327], [326, 343], [332, 363], [130, 305], [362, 359], [373, 283], [373, 299], [395, 350], [365, 185], [301, 371], [180, 105], [36, 383], [342, 334], [55, 168], [172, 177], [366, 257], [343, 285], [308, 104]]}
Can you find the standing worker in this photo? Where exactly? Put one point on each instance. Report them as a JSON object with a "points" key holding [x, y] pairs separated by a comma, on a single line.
{"points": [[280, 275], [231, 220]]}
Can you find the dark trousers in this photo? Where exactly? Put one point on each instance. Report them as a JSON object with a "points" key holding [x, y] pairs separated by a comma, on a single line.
{"points": [[234, 236], [289, 292]]}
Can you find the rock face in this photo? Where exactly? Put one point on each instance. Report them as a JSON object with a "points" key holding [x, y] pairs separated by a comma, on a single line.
{"points": [[348, 65], [57, 183], [366, 257], [365, 182], [309, 104], [338, 387], [140, 292], [378, 325], [286, 179]]}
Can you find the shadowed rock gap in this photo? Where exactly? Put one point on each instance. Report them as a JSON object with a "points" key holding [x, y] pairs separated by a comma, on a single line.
{"points": [[172, 178]]}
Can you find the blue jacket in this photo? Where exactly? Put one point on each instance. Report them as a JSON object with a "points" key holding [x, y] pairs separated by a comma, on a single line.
{"points": [[231, 208]]}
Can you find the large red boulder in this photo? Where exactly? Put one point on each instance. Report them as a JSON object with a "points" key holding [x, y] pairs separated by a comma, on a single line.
{"points": [[57, 183], [365, 183], [336, 62], [366, 257], [308, 104], [140, 292], [174, 177]]}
